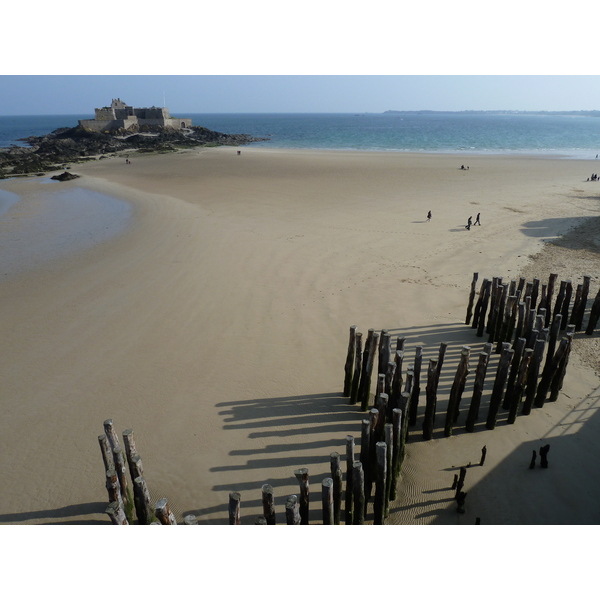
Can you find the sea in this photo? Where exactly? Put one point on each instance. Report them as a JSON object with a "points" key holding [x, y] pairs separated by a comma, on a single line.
{"points": [[569, 136]]}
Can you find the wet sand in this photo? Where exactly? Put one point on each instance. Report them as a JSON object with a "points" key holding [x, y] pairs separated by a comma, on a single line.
{"points": [[216, 327]]}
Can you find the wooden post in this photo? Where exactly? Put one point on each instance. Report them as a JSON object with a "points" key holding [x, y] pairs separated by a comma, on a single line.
{"points": [[268, 502], [121, 471], [543, 303], [520, 321], [516, 392], [106, 450], [302, 477], [495, 335], [518, 347], [440, 362], [397, 379], [374, 417], [396, 451], [358, 482], [336, 476], [349, 473], [560, 298], [382, 408], [471, 298], [112, 486], [533, 374], [116, 513], [136, 468], [365, 381], [111, 434], [416, 390], [498, 389], [458, 387], [584, 296], [576, 304], [379, 505], [479, 305], [130, 452], [349, 362], [408, 386], [535, 291], [503, 335], [365, 453], [594, 314], [557, 380], [549, 372], [385, 351], [357, 368], [552, 338], [473, 415], [566, 304], [143, 506], [235, 499], [430, 400], [389, 442], [484, 305], [512, 318], [389, 378], [404, 406], [496, 283], [166, 517], [549, 294], [400, 341], [292, 512], [327, 501], [193, 520]]}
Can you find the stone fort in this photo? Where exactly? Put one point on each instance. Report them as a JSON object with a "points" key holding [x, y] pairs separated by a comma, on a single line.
{"points": [[121, 116]]}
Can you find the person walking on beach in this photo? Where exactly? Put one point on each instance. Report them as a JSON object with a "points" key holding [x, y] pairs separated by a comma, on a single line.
{"points": [[468, 225], [429, 216], [477, 221]]}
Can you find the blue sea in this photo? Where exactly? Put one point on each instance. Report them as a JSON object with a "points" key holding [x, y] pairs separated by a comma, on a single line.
{"points": [[467, 133]]}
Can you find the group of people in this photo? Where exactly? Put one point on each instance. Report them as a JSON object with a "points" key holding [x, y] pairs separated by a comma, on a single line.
{"points": [[470, 222], [594, 177]]}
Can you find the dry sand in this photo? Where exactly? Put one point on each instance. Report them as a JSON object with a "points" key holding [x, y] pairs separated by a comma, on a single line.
{"points": [[216, 326]]}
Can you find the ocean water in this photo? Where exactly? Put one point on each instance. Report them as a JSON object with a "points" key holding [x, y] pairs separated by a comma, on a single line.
{"points": [[466, 133]]}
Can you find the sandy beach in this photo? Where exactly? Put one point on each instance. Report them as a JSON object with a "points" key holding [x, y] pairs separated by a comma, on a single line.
{"points": [[215, 325]]}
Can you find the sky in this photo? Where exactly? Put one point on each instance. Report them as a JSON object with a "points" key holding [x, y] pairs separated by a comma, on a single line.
{"points": [[320, 56], [80, 94]]}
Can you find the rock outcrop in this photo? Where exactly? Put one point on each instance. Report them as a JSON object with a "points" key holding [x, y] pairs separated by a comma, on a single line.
{"points": [[71, 145]]}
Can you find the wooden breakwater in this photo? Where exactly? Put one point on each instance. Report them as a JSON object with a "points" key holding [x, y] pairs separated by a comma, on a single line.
{"points": [[523, 321]]}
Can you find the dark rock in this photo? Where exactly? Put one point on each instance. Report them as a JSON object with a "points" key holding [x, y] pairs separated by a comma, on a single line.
{"points": [[65, 176]]}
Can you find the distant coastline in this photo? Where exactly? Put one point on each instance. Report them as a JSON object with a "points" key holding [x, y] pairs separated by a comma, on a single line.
{"points": [[553, 113]]}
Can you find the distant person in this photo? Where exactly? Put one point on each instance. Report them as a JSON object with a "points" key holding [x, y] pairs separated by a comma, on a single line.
{"points": [[429, 216], [477, 221], [468, 225]]}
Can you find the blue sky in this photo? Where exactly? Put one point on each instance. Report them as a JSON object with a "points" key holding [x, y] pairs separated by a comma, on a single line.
{"points": [[80, 94], [318, 56]]}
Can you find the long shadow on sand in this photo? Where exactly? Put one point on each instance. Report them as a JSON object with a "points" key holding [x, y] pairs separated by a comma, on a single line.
{"points": [[61, 514]]}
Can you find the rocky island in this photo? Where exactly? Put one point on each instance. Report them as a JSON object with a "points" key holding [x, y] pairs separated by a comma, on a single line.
{"points": [[116, 129]]}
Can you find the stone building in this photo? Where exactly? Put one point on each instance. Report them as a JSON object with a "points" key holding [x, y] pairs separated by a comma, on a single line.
{"points": [[121, 116]]}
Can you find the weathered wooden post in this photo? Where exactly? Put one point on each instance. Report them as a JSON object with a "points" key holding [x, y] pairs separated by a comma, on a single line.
{"points": [[106, 450], [518, 347], [349, 474], [550, 371], [499, 383], [549, 294], [560, 298], [458, 387], [327, 501], [557, 380], [389, 378], [566, 304], [503, 331], [112, 487], [473, 415], [397, 379], [430, 400], [519, 329], [379, 504], [576, 304], [495, 335], [594, 314], [440, 362], [365, 454], [349, 362], [292, 512], [535, 292], [358, 358], [385, 351], [268, 502], [121, 470], [533, 374], [404, 406], [130, 450], [111, 434], [143, 506], [516, 392], [358, 483], [302, 477], [479, 305], [543, 303], [400, 341], [484, 305], [496, 283], [471, 299], [408, 386], [193, 520], [416, 390], [582, 306], [336, 476], [552, 338], [365, 377], [116, 513], [389, 442], [374, 417], [166, 517], [235, 499], [382, 408], [397, 445], [380, 389]]}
